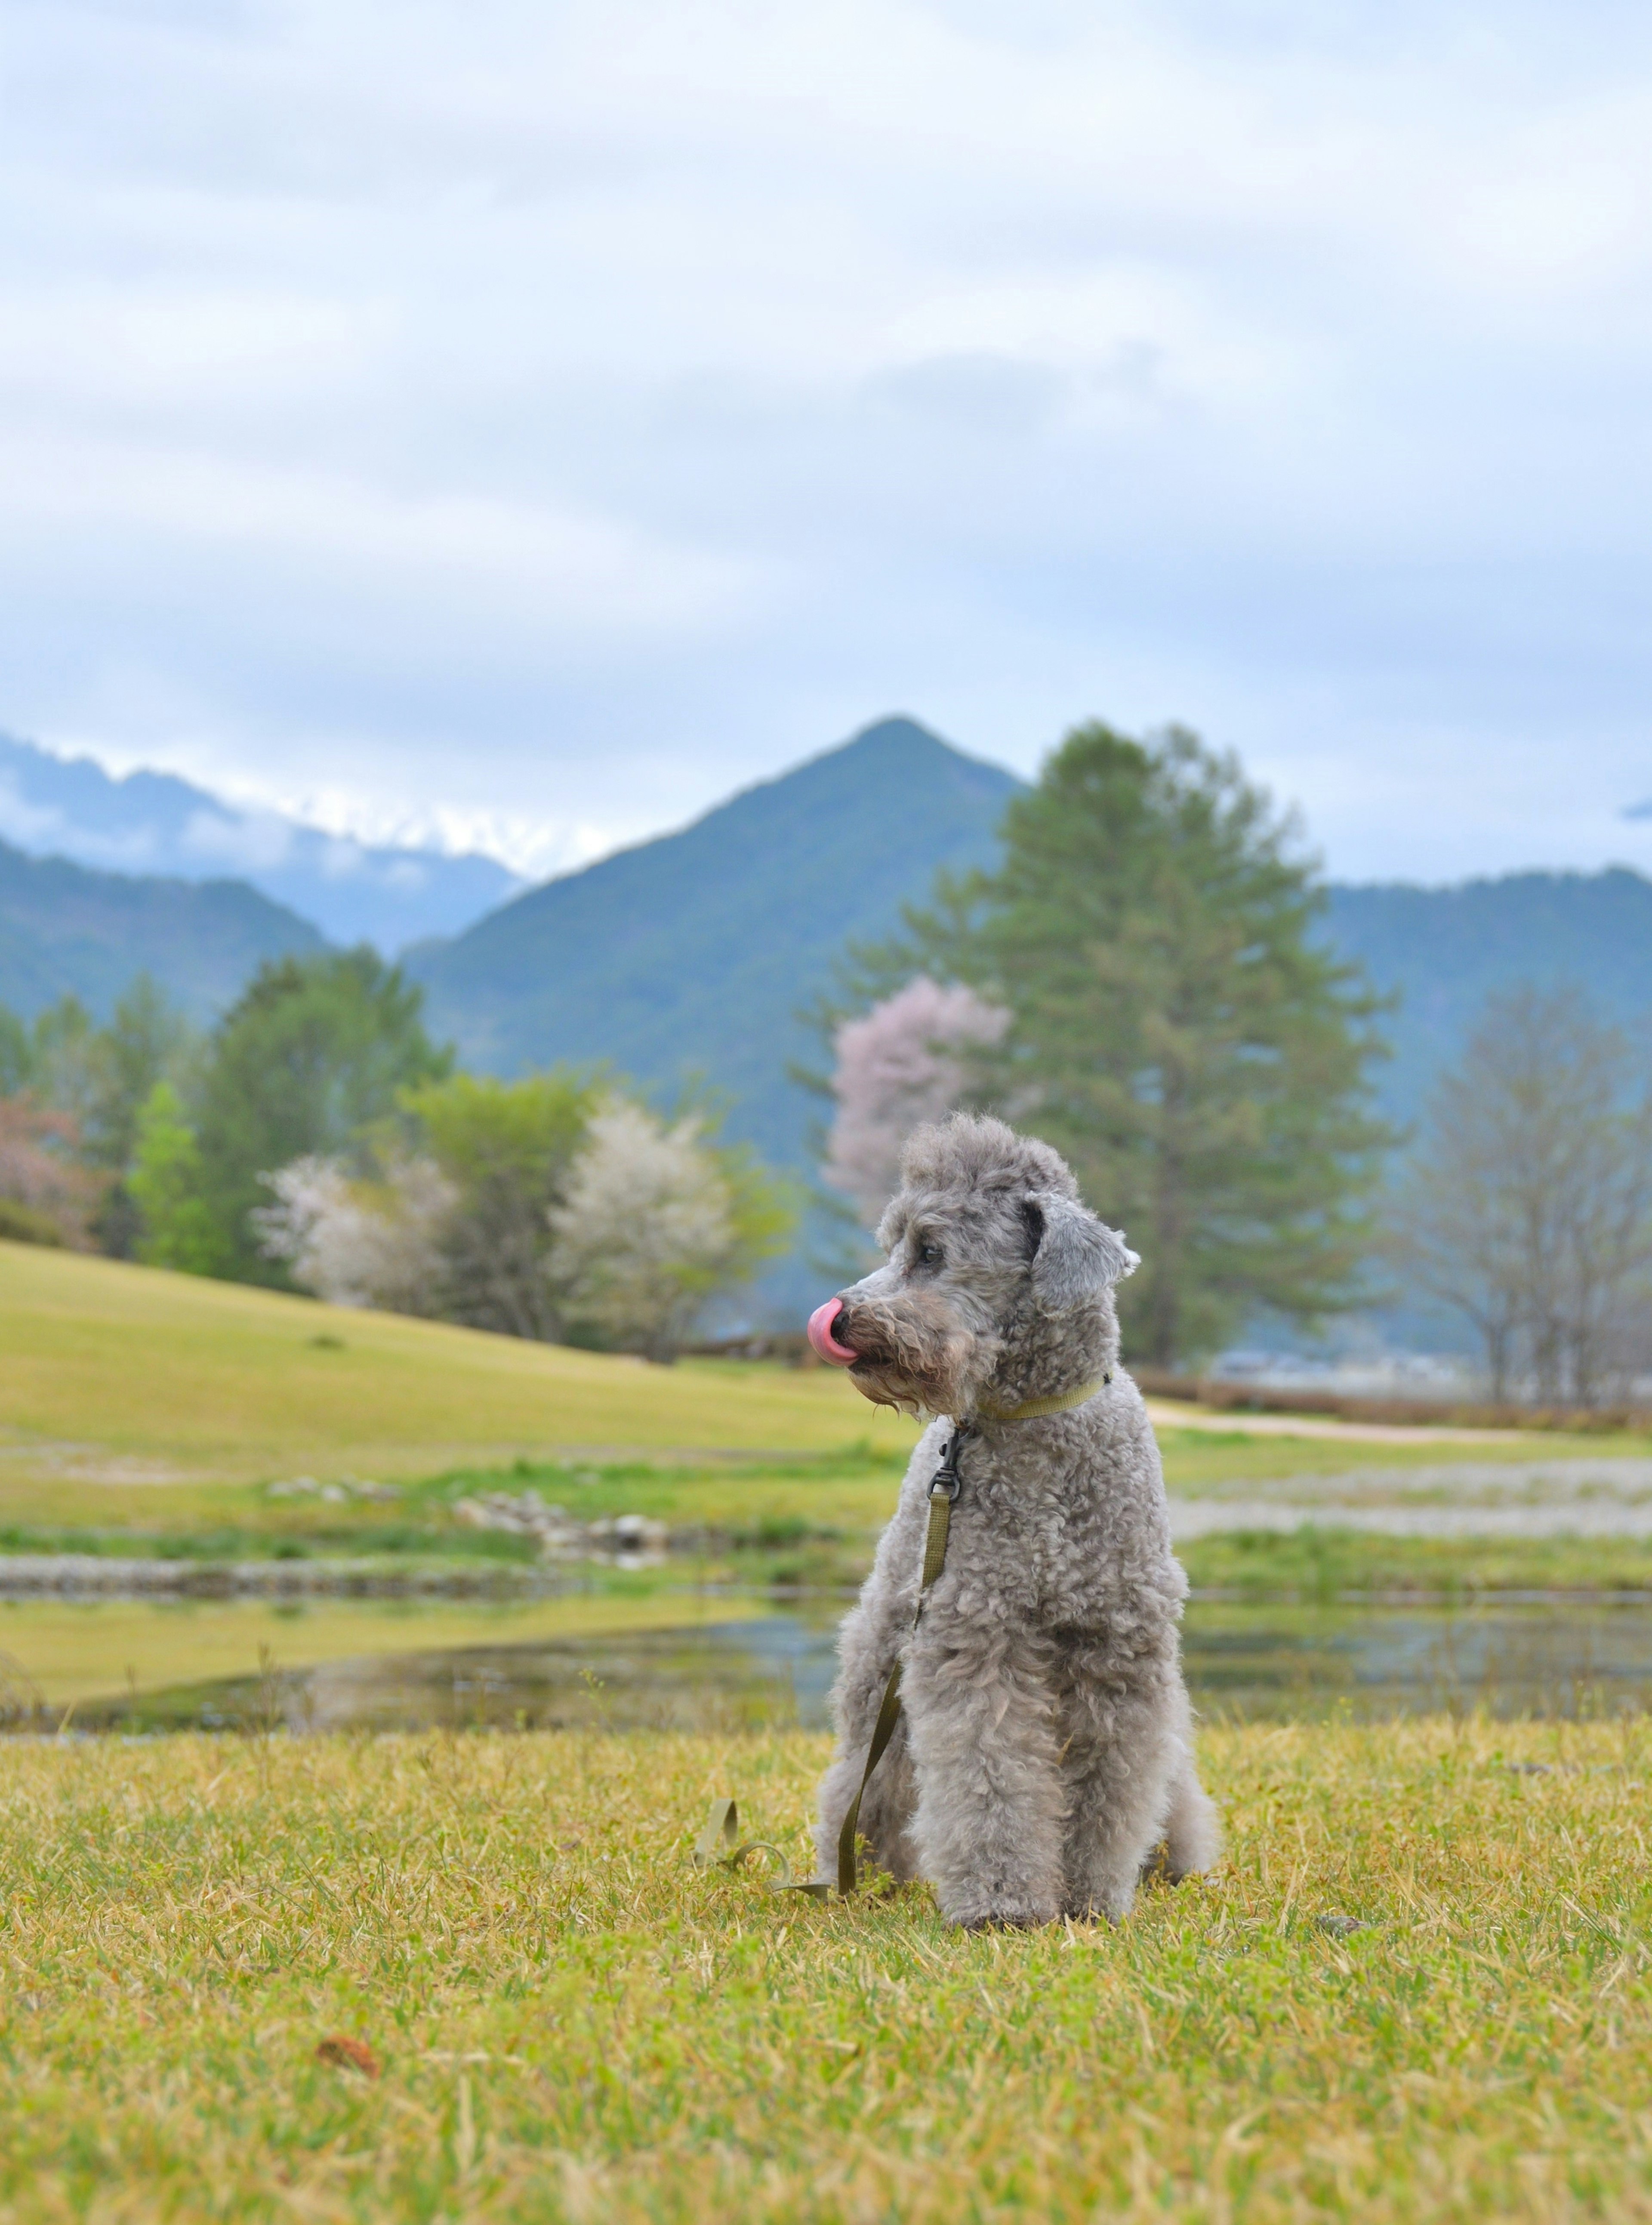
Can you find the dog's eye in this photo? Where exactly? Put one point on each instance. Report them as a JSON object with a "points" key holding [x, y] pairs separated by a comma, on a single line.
{"points": [[929, 1255]]}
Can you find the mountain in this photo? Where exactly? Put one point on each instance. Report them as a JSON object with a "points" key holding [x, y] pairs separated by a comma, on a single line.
{"points": [[695, 952], [1446, 949], [151, 822], [64, 928]]}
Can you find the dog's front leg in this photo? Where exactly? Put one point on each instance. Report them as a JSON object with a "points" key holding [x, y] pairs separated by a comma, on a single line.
{"points": [[991, 1801]]}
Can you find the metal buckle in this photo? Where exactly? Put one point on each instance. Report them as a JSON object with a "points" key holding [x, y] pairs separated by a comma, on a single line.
{"points": [[946, 1478]]}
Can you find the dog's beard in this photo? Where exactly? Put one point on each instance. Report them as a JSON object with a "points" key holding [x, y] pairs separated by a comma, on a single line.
{"points": [[914, 1356], [887, 1385]]}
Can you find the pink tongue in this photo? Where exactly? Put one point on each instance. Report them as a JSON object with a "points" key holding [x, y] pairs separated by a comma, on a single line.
{"points": [[821, 1336]]}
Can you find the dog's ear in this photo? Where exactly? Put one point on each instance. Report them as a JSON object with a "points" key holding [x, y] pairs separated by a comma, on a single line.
{"points": [[1074, 1255]]}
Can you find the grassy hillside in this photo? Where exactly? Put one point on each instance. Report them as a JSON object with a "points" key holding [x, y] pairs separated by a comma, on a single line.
{"points": [[695, 952], [64, 928], [117, 1373], [1415, 1989]]}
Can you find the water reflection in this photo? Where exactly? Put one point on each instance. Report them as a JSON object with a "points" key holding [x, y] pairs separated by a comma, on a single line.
{"points": [[1536, 1658], [1244, 1663]]}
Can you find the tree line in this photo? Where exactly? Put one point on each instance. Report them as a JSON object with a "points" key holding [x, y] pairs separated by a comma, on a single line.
{"points": [[316, 1138], [1144, 979]]}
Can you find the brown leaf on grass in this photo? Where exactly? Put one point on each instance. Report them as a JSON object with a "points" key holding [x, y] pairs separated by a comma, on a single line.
{"points": [[349, 2054]]}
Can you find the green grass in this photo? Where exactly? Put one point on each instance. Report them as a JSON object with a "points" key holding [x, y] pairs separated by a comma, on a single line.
{"points": [[572, 2023], [1323, 1563], [1197, 1461], [165, 1387]]}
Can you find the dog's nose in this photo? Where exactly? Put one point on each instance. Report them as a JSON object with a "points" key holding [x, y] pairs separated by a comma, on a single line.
{"points": [[821, 1336]]}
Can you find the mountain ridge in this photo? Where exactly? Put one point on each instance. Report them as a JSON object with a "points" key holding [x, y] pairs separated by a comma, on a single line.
{"points": [[1447, 949], [67, 929], [156, 823]]}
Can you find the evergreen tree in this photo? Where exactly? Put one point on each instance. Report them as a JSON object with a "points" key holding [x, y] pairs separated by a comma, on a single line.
{"points": [[1176, 1031], [176, 1227], [147, 1040], [314, 1051]]}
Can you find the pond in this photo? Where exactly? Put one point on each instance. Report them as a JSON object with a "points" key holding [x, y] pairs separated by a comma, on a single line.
{"points": [[1512, 1658]]}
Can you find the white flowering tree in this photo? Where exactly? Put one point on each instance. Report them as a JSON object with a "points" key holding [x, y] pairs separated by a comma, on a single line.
{"points": [[645, 1218], [360, 1243], [656, 1220], [898, 1065]]}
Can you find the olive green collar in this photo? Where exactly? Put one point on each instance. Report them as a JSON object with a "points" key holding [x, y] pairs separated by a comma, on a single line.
{"points": [[1033, 1407]]}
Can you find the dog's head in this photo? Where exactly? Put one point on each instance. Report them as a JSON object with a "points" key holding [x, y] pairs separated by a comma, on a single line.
{"points": [[998, 1286]]}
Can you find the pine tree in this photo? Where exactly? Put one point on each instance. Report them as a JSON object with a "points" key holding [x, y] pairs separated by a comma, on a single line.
{"points": [[1176, 1031]]}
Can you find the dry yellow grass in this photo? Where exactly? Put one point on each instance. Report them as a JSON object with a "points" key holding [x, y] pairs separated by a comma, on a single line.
{"points": [[572, 2023]]}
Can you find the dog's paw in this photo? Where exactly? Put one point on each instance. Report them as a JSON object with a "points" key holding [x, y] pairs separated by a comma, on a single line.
{"points": [[1005, 1919], [1102, 1908]]}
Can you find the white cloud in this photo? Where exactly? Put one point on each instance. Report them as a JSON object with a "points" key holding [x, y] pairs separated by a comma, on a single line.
{"points": [[255, 843], [29, 825], [536, 422]]}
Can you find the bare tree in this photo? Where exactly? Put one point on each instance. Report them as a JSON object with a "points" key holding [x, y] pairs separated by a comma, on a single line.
{"points": [[899, 1065], [1529, 1209]]}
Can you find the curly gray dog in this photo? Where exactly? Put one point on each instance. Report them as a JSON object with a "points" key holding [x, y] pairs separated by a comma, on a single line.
{"points": [[1044, 1759]]}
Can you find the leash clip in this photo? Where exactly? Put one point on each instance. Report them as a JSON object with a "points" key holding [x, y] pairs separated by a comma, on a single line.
{"points": [[947, 1482]]}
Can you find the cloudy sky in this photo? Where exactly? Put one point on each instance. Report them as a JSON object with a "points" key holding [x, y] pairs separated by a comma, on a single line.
{"points": [[531, 419]]}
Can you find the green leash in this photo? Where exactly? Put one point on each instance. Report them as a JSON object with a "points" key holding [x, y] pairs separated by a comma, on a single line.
{"points": [[943, 1496], [723, 1823]]}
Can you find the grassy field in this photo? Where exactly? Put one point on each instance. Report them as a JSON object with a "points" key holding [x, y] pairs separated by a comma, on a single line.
{"points": [[569, 2022], [116, 1374], [120, 1377]]}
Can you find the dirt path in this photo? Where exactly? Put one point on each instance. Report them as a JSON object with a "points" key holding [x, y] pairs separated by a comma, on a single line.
{"points": [[1168, 1414]]}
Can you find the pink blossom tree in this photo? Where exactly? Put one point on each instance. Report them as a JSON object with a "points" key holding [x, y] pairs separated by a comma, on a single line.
{"points": [[898, 1065]]}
